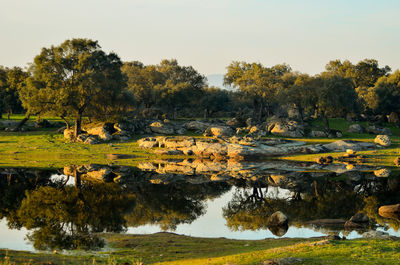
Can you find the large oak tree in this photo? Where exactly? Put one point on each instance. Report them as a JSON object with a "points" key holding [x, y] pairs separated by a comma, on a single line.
{"points": [[74, 79]]}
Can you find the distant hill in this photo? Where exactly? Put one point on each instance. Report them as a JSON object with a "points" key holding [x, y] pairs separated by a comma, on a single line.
{"points": [[216, 80]]}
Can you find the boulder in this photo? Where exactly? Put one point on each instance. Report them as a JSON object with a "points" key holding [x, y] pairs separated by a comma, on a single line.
{"points": [[356, 128], [90, 140], [287, 129], [178, 142], [100, 131], [148, 142], [389, 209], [318, 134], [161, 128], [394, 118], [219, 131], [376, 234], [197, 126], [69, 134], [382, 173], [397, 161], [360, 218], [278, 219], [342, 146], [383, 140], [374, 129], [234, 122]]}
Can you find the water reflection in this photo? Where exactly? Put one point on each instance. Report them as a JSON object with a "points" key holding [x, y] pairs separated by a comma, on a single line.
{"points": [[67, 208]]}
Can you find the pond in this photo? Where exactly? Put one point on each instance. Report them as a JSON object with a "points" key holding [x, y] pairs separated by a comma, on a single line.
{"points": [[67, 208]]}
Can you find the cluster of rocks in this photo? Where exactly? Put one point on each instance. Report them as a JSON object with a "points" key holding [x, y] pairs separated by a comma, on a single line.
{"points": [[242, 147]]}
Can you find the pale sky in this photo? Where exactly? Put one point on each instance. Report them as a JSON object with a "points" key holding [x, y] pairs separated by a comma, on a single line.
{"points": [[208, 34]]}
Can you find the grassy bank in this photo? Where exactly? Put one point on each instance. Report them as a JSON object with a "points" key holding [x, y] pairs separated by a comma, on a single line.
{"points": [[48, 149], [166, 248]]}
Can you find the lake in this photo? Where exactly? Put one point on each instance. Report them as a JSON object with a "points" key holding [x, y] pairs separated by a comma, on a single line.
{"points": [[67, 208]]}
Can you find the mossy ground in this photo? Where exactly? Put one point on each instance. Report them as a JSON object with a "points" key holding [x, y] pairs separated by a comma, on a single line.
{"points": [[167, 248]]}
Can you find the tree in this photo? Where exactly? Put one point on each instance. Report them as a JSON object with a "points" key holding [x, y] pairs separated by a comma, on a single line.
{"points": [[258, 82], [336, 96], [387, 91], [182, 88], [143, 81], [298, 90], [74, 79], [11, 80], [215, 99]]}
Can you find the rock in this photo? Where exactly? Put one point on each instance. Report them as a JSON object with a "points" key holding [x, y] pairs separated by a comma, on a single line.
{"points": [[220, 131], [161, 128], [234, 122], [178, 142], [397, 161], [394, 118], [250, 122], [254, 129], [389, 209], [278, 219], [289, 129], [100, 131], [356, 128], [324, 159], [148, 142], [90, 140], [318, 134], [341, 146], [180, 130], [376, 234], [360, 218], [374, 129], [334, 133], [99, 174], [168, 152], [69, 134], [382, 173], [352, 225], [242, 131], [350, 152], [383, 140], [197, 126]]}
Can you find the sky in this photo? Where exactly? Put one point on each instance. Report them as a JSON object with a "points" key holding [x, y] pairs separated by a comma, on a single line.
{"points": [[208, 34]]}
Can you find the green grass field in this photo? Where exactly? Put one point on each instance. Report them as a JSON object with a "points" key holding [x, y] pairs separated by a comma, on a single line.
{"points": [[167, 248]]}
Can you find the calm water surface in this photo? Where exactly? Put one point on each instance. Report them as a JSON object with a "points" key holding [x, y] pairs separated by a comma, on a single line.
{"points": [[74, 203]]}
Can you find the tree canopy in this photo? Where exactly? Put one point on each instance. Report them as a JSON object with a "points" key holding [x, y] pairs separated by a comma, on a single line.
{"points": [[74, 79]]}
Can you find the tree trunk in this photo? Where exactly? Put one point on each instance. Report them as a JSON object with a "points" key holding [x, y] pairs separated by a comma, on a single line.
{"points": [[21, 123], [205, 114], [326, 121], [78, 126], [77, 176], [8, 114], [66, 122]]}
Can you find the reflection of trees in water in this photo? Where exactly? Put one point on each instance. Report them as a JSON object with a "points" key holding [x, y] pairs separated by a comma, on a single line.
{"points": [[62, 216], [172, 204], [69, 217], [325, 198]]}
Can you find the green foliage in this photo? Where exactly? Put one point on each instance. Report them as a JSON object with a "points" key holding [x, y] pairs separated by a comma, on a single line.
{"points": [[11, 81], [257, 82], [74, 79], [387, 90]]}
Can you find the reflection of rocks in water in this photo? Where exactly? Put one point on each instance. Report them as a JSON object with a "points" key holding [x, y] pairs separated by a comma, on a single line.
{"points": [[279, 230], [390, 211]]}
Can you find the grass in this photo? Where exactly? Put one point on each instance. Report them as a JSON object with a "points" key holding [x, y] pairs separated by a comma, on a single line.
{"points": [[48, 149], [167, 248]]}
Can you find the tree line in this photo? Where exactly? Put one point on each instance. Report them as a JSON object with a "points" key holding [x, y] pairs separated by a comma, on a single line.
{"points": [[78, 79]]}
